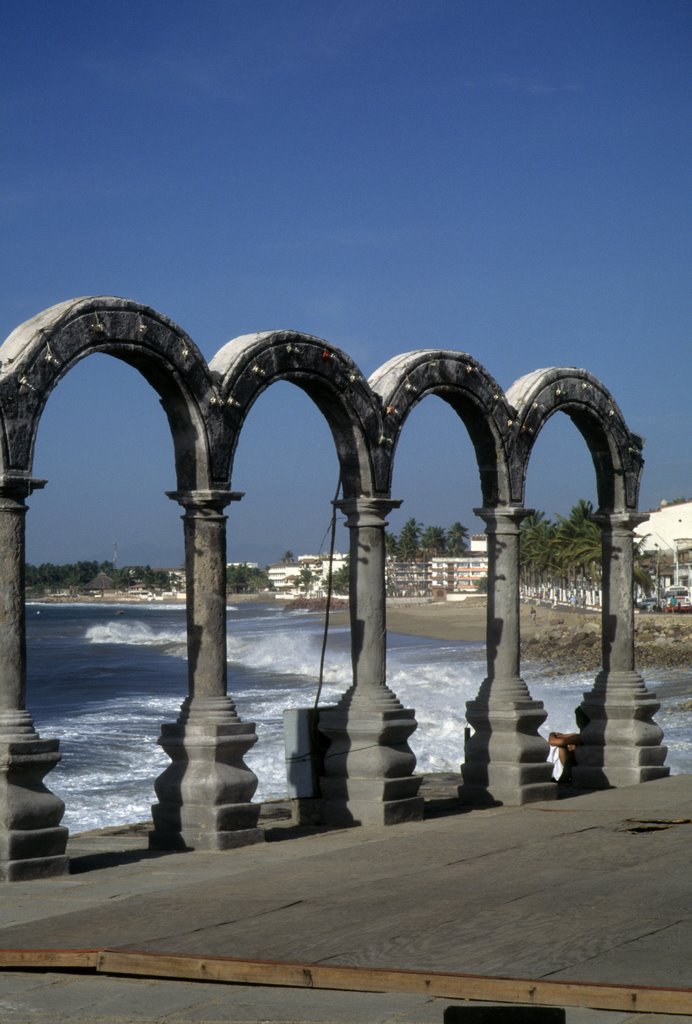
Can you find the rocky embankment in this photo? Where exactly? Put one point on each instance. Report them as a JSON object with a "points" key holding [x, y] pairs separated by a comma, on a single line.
{"points": [[315, 604], [571, 641]]}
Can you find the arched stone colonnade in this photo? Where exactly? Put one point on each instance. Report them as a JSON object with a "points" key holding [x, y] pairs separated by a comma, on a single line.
{"points": [[205, 795]]}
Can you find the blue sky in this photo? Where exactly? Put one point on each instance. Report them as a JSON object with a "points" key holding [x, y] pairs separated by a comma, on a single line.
{"points": [[507, 179]]}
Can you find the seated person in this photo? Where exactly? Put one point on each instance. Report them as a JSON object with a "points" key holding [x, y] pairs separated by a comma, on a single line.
{"points": [[563, 746]]}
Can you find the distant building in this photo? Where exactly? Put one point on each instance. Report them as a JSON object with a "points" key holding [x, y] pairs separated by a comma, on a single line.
{"points": [[478, 545], [457, 575], [407, 579], [101, 584], [440, 575], [667, 539], [285, 577]]}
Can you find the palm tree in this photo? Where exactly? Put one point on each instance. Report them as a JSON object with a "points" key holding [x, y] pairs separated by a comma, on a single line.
{"points": [[578, 546], [433, 542], [288, 557], [569, 552], [341, 578], [306, 578], [642, 575], [409, 540], [536, 550], [457, 540], [391, 544]]}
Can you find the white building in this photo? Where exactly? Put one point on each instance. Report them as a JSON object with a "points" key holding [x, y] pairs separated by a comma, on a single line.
{"points": [[478, 545], [285, 577], [441, 574], [457, 575], [667, 536], [319, 567], [407, 579]]}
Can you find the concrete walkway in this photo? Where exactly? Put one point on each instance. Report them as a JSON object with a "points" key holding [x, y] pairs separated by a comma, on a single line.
{"points": [[593, 889]]}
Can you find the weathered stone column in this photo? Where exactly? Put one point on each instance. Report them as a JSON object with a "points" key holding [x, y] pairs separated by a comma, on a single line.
{"points": [[505, 757], [369, 764], [32, 841], [205, 794], [621, 743]]}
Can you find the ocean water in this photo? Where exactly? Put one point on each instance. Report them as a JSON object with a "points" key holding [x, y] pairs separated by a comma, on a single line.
{"points": [[103, 677]]}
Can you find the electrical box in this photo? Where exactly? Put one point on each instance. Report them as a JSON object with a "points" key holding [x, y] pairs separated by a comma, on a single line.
{"points": [[302, 752]]}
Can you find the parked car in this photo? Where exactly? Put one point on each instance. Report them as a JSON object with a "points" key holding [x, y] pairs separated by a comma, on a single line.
{"points": [[648, 604]]}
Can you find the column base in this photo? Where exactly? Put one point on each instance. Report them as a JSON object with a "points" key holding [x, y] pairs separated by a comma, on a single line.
{"points": [[611, 766], [205, 794], [369, 767], [506, 760], [32, 842], [614, 778], [189, 838], [621, 743], [370, 802], [501, 789], [25, 868]]}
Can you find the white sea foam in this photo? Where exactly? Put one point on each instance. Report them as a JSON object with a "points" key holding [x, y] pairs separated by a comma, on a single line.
{"points": [[135, 634], [287, 652], [110, 759]]}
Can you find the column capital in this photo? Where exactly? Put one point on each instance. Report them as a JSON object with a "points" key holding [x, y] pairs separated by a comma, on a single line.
{"points": [[505, 519], [18, 486], [620, 522], [205, 502], [367, 511]]}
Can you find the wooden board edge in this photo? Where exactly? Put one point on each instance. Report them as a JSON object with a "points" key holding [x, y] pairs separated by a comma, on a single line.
{"points": [[641, 999], [59, 959]]}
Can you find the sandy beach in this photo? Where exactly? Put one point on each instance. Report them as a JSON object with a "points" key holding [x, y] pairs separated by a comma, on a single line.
{"points": [[557, 638], [440, 620], [458, 620]]}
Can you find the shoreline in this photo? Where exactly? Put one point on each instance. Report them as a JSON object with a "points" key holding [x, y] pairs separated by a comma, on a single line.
{"points": [[558, 639], [435, 620], [115, 598]]}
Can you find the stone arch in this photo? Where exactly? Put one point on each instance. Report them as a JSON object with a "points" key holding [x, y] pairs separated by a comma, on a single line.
{"points": [[368, 770], [474, 395], [42, 350], [614, 449], [249, 364]]}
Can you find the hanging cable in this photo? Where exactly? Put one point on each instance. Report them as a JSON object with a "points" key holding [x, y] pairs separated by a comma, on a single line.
{"points": [[332, 538]]}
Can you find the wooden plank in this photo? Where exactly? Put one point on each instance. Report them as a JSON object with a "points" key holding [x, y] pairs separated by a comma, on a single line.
{"points": [[642, 999], [56, 959]]}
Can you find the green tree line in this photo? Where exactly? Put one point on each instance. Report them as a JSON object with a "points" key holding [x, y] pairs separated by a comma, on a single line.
{"points": [[74, 576], [566, 552], [246, 579], [418, 543]]}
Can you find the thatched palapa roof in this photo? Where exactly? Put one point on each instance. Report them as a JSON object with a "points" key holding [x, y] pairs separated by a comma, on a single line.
{"points": [[100, 582]]}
